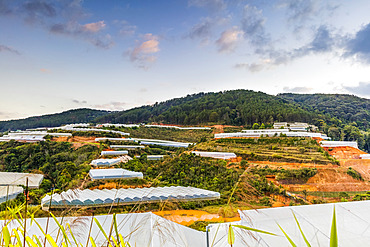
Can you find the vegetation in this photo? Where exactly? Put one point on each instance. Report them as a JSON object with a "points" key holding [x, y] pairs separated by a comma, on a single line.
{"points": [[353, 173], [170, 134], [237, 107], [63, 166], [52, 120], [276, 149]]}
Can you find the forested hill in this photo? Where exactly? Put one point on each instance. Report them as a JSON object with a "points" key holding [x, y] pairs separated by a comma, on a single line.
{"points": [[237, 107], [72, 116], [347, 108]]}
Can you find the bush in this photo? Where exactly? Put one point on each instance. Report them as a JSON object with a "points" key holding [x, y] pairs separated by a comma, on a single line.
{"points": [[355, 174]]}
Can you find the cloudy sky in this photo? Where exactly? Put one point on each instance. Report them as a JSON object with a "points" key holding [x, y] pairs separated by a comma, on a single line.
{"points": [[57, 55]]}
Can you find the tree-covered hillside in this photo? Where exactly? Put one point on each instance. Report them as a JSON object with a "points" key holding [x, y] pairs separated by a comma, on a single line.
{"points": [[52, 120], [237, 107], [346, 108]]}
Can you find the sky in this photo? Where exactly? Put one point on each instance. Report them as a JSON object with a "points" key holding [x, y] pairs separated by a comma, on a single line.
{"points": [[57, 55]]}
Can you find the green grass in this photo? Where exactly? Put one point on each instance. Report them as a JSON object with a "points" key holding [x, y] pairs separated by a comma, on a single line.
{"points": [[278, 149]]}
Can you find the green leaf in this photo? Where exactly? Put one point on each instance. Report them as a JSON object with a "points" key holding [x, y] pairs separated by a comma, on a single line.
{"points": [[18, 238], [6, 236], [333, 232], [231, 236], [30, 242], [92, 242], [287, 237], [300, 229], [122, 242], [102, 230], [62, 229], [73, 236], [51, 241], [253, 229], [38, 241]]}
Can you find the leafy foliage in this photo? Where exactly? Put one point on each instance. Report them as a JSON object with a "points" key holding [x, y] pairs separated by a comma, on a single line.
{"points": [[237, 107], [83, 115]]}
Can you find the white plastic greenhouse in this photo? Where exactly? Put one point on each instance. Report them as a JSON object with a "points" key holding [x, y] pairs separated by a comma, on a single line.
{"points": [[102, 139], [216, 155], [114, 153], [118, 173], [138, 229], [9, 192], [339, 144], [14, 178], [105, 162], [126, 146], [105, 197], [353, 225]]}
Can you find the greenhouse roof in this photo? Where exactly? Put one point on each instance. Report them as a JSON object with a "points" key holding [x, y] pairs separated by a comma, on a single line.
{"points": [[114, 152], [105, 197], [14, 178], [113, 174], [138, 229], [352, 218], [9, 192]]}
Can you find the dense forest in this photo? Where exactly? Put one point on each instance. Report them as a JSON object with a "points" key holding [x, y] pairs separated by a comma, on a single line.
{"points": [[237, 107], [346, 108], [82, 115]]}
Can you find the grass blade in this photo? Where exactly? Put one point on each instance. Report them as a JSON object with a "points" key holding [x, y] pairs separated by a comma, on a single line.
{"points": [[73, 236], [51, 241], [37, 241], [254, 230], [287, 237], [62, 229], [102, 230], [19, 242], [30, 242], [122, 242], [6, 236], [300, 229], [92, 242], [231, 236], [333, 232]]}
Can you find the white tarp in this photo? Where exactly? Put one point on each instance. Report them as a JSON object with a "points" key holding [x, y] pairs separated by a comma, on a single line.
{"points": [[105, 153], [9, 192], [215, 155], [105, 197], [139, 229], [14, 178], [353, 225], [113, 174]]}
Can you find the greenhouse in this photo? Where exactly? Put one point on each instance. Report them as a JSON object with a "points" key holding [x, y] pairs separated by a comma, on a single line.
{"points": [[9, 192], [126, 146], [215, 155], [14, 178], [113, 153], [352, 220], [102, 139], [105, 197], [105, 162], [138, 229], [338, 144], [118, 173]]}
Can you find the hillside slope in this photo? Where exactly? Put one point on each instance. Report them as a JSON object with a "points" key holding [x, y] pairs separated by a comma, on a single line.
{"points": [[237, 107], [82, 115], [346, 108]]}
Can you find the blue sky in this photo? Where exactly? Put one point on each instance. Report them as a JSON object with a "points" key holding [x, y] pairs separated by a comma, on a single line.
{"points": [[115, 55]]}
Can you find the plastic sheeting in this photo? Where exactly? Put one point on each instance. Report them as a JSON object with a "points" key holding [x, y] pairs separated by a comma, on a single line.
{"points": [[107, 197], [216, 155], [126, 146], [353, 225], [9, 192], [339, 144], [105, 162], [113, 174], [138, 229], [106, 153], [14, 178]]}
